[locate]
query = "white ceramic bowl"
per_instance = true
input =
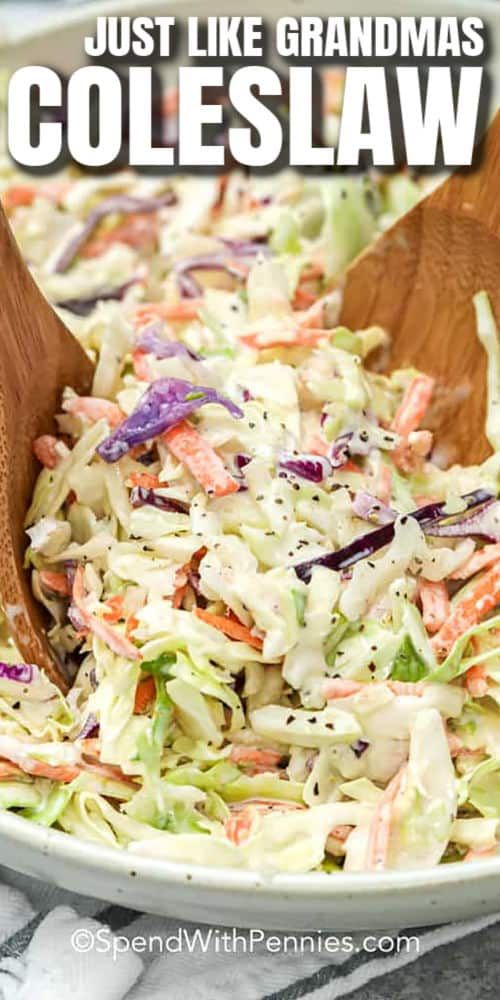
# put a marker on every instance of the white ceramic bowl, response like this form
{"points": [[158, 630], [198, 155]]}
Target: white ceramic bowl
{"points": [[245, 899]]}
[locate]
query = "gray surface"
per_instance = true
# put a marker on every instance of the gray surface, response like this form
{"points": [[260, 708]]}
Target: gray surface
{"points": [[465, 970]]}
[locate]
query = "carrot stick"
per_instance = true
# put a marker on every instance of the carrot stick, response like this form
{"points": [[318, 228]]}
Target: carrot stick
{"points": [[380, 826], [139, 231], [233, 629], [144, 479], [469, 611], [413, 406], [114, 609], [145, 694], [190, 448], [58, 583], [259, 760], [39, 769], [435, 604], [94, 408], [9, 770], [299, 337], [178, 312], [476, 681], [482, 559], [24, 194], [116, 642], [44, 449]]}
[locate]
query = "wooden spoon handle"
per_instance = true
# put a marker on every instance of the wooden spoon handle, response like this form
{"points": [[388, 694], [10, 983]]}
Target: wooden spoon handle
{"points": [[38, 357]]}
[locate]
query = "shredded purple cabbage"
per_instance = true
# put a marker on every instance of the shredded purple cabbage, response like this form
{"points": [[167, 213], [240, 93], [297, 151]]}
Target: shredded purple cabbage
{"points": [[21, 672], [348, 444], [246, 248], [122, 204], [150, 341], [166, 403], [359, 747], [140, 496], [89, 729], [84, 306], [76, 619], [241, 460], [484, 524], [188, 286], [339, 452], [366, 545], [314, 468], [370, 508]]}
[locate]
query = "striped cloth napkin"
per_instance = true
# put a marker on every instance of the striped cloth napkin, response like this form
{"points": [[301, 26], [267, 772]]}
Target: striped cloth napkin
{"points": [[42, 927]]}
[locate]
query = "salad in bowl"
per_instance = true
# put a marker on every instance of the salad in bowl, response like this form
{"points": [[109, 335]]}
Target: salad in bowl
{"points": [[277, 611]]}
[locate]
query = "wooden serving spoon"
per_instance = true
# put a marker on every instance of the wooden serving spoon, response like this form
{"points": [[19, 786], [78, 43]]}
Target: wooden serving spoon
{"points": [[417, 281], [38, 358]]}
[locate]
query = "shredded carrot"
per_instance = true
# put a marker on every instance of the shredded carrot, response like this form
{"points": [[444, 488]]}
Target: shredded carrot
{"points": [[130, 625], [380, 826], [299, 337], [342, 687], [476, 854], [383, 485], [8, 769], [110, 771], [55, 772], [142, 367], [178, 312], [482, 559], [116, 642], [179, 595], [238, 827], [303, 297], [17, 195], [190, 448], [476, 681], [145, 480], [243, 816], [44, 448], [114, 609], [435, 604], [139, 231], [235, 630], [259, 760], [20, 195], [475, 606], [413, 406], [58, 583], [94, 408], [145, 695]]}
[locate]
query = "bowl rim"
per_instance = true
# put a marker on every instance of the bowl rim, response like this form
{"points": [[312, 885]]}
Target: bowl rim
{"points": [[95, 857], [92, 856]]}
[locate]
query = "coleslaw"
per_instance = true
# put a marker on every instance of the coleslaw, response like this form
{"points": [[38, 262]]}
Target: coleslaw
{"points": [[279, 616]]}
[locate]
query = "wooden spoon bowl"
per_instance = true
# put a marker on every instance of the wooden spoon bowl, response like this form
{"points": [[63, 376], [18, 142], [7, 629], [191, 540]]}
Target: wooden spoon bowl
{"points": [[418, 280], [38, 358]]}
